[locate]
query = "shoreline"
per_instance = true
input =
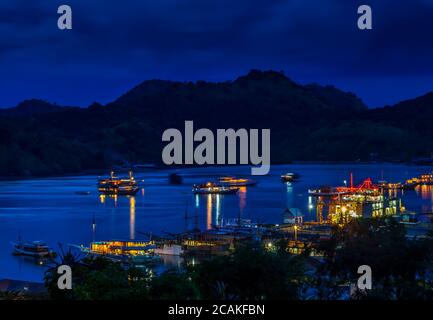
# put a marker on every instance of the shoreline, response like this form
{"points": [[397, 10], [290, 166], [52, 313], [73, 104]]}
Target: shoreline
{"points": [[158, 167]]}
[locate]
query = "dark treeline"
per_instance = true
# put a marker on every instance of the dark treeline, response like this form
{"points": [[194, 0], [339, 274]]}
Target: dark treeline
{"points": [[307, 122], [401, 269]]}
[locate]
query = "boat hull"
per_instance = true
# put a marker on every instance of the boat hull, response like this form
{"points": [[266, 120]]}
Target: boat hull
{"points": [[228, 191], [18, 251], [119, 192]]}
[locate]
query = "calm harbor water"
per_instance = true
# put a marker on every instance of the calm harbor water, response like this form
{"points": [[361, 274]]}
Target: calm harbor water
{"points": [[50, 210]]}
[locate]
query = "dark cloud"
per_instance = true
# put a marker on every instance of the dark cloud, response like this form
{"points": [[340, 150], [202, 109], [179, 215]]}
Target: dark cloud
{"points": [[117, 44]]}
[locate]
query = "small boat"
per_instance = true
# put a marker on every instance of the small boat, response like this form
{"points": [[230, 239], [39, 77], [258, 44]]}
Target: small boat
{"points": [[236, 182], [36, 249], [409, 218], [290, 177], [410, 185], [213, 188]]}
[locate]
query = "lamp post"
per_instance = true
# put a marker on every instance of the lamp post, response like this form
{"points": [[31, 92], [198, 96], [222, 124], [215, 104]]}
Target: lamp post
{"points": [[296, 232]]}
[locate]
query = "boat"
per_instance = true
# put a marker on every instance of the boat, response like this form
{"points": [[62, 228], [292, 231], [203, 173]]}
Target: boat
{"points": [[36, 249], [118, 186], [384, 185], [120, 190], [327, 191], [170, 249], [121, 250], [236, 182], [409, 218], [411, 184], [213, 188], [290, 177], [426, 179]]}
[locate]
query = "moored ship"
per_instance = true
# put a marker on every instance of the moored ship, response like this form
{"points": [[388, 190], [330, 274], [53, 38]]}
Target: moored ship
{"points": [[236, 182], [36, 249], [290, 177], [326, 191], [384, 185], [118, 186], [121, 250]]}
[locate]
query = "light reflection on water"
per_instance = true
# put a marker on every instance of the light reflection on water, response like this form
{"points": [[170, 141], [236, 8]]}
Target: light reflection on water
{"points": [[426, 194], [50, 209]]}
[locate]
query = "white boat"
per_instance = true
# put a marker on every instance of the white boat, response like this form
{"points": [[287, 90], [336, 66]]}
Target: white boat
{"points": [[37, 249], [169, 250]]}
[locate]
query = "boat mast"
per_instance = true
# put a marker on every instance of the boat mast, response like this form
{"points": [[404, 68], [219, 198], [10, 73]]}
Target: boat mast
{"points": [[93, 227]]}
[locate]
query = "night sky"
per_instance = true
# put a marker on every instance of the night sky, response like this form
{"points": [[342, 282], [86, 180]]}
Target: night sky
{"points": [[114, 45]]}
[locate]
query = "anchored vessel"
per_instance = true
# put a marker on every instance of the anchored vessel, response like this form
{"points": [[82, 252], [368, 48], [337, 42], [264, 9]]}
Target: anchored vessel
{"points": [[213, 188], [37, 249], [118, 186], [121, 250], [384, 185], [236, 182], [365, 200], [290, 177]]}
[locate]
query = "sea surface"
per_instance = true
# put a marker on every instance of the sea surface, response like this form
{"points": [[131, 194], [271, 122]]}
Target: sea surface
{"points": [[51, 210]]}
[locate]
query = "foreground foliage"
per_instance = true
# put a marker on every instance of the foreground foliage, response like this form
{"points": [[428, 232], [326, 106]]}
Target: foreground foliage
{"points": [[402, 269]]}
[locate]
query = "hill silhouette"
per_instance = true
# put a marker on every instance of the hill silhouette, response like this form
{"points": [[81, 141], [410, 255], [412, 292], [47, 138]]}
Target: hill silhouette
{"points": [[307, 122]]}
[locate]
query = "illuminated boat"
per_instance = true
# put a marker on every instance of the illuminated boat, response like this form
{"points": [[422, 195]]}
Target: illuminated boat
{"points": [[118, 186], [411, 184], [203, 247], [119, 190], [423, 179], [327, 191], [290, 177], [409, 218], [36, 249], [390, 186], [213, 188], [236, 182], [121, 250], [426, 179]]}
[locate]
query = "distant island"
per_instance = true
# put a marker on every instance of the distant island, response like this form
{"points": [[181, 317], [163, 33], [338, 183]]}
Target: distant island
{"points": [[307, 122]]}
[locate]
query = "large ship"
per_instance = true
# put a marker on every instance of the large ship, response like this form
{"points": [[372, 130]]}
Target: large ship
{"points": [[365, 200], [118, 186], [213, 188], [121, 250]]}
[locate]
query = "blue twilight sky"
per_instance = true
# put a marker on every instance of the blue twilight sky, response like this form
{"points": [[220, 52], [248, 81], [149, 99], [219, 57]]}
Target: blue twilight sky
{"points": [[115, 45]]}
